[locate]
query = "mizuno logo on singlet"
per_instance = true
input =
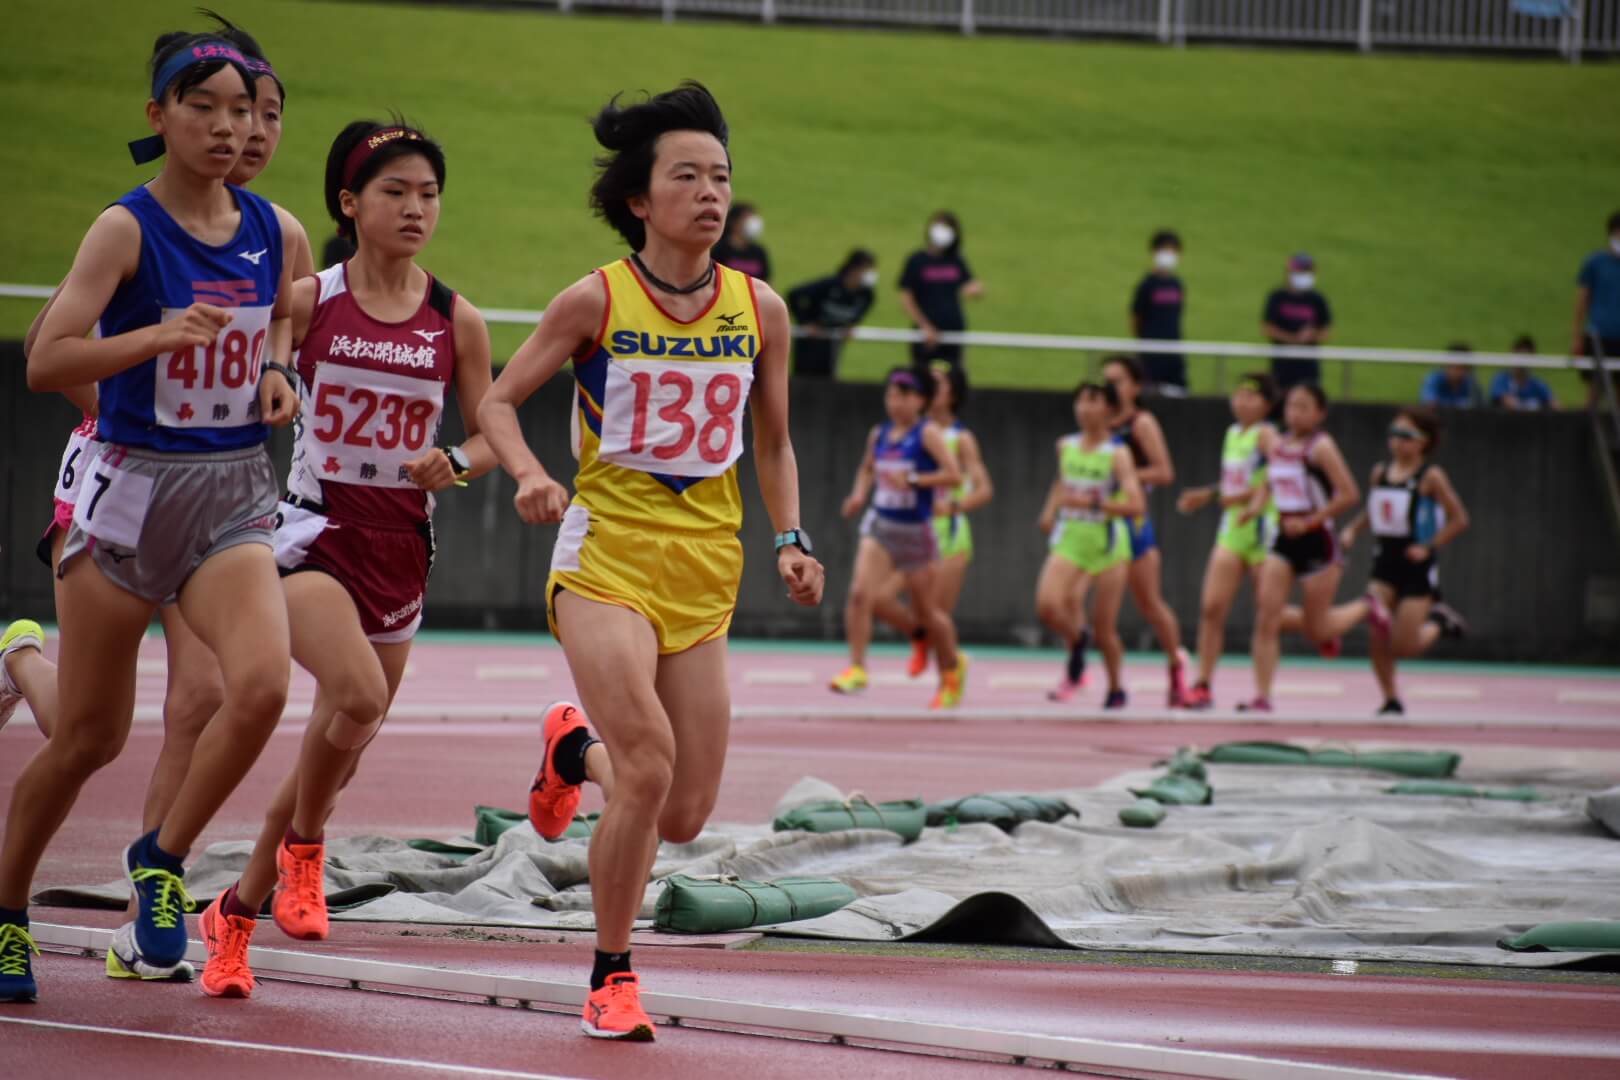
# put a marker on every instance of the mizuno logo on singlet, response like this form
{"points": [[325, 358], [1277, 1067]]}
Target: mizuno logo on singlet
{"points": [[730, 319], [252, 256], [427, 335], [631, 343]]}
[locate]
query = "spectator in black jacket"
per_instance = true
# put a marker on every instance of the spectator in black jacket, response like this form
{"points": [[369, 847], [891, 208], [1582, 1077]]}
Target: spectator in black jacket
{"points": [[739, 247], [932, 287], [827, 309], [1297, 314], [1156, 315]]}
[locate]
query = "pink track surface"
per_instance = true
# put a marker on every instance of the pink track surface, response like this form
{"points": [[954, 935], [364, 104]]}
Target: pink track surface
{"points": [[448, 748]]}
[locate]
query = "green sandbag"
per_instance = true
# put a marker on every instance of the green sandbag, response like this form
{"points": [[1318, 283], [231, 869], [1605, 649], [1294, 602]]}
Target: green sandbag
{"points": [[904, 818], [1175, 790], [1456, 789], [1142, 814], [1187, 763], [1003, 811], [713, 906], [492, 821], [1430, 763], [1566, 937]]}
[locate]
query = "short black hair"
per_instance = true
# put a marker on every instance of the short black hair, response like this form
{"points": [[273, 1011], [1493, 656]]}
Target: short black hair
{"points": [[350, 137], [1316, 392], [1262, 382], [1426, 420], [858, 257], [1524, 343], [920, 375], [1164, 238], [630, 134], [1459, 347], [738, 211], [1131, 364], [247, 43], [956, 379], [1098, 388], [168, 44], [1614, 221], [948, 217]]}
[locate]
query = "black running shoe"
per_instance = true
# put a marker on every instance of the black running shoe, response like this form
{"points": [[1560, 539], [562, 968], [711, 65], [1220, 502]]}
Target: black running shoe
{"points": [[1393, 707], [1449, 620]]}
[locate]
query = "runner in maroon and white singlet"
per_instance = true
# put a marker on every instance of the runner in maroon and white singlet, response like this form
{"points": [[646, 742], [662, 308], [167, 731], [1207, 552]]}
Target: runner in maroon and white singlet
{"points": [[380, 343]]}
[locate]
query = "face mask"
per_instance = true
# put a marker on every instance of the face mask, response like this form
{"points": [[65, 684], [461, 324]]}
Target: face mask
{"points": [[869, 278], [754, 228], [941, 235], [1614, 244], [1166, 259], [1301, 281]]}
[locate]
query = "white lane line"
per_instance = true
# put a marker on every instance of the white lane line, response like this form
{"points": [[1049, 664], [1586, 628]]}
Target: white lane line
{"points": [[1024, 682], [896, 678], [1310, 689], [439, 1067], [1091, 712], [1589, 697], [1066, 1049], [510, 672], [1443, 693], [1153, 684], [777, 677]]}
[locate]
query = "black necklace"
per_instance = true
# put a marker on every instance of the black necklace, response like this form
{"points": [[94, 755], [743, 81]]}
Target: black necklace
{"points": [[678, 290]]}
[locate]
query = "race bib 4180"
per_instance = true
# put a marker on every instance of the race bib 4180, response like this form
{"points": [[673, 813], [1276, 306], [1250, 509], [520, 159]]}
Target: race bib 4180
{"points": [[215, 385]]}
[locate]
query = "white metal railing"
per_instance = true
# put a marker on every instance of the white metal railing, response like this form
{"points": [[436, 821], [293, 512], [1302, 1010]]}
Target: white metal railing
{"points": [[1566, 27], [1083, 344]]}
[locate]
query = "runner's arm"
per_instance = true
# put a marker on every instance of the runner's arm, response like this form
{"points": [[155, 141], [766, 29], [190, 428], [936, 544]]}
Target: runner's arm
{"points": [[1437, 486], [473, 381], [971, 458], [570, 324], [1150, 436], [774, 461], [1130, 485], [1346, 493], [948, 474], [83, 397]]}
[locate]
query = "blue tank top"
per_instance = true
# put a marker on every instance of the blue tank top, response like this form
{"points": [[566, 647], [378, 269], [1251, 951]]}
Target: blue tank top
{"points": [[194, 400], [894, 497]]}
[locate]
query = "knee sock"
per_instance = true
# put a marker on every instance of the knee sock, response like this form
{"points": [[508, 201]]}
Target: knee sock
{"points": [[147, 853], [568, 756], [231, 904], [608, 964], [1077, 657]]}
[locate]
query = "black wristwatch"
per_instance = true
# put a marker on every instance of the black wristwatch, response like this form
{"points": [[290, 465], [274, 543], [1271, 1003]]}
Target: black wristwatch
{"points": [[795, 538], [286, 372], [458, 460]]}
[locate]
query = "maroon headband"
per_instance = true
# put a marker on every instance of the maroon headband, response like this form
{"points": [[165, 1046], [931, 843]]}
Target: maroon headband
{"points": [[370, 145]]}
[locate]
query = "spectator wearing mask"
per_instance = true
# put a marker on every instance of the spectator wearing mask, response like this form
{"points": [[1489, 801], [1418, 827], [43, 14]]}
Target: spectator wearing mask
{"points": [[932, 287], [338, 249], [1516, 388], [827, 310], [1453, 386], [739, 246], [1297, 314], [1156, 315]]}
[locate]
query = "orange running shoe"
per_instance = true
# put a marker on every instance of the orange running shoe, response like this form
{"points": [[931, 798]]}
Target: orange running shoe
{"points": [[553, 803], [299, 906], [227, 973], [614, 1012], [919, 658]]}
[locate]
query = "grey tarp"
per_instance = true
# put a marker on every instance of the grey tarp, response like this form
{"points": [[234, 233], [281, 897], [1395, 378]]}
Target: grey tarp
{"points": [[1286, 862]]}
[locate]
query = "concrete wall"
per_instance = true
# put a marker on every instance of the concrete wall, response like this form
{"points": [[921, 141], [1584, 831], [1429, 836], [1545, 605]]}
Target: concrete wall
{"points": [[1538, 575]]}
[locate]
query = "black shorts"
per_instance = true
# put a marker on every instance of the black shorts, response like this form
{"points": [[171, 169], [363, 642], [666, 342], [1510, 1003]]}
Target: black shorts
{"points": [[1309, 553], [1410, 580]]}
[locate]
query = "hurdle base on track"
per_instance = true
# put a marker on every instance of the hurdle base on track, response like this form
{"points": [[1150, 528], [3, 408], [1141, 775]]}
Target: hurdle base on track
{"points": [[839, 1027]]}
